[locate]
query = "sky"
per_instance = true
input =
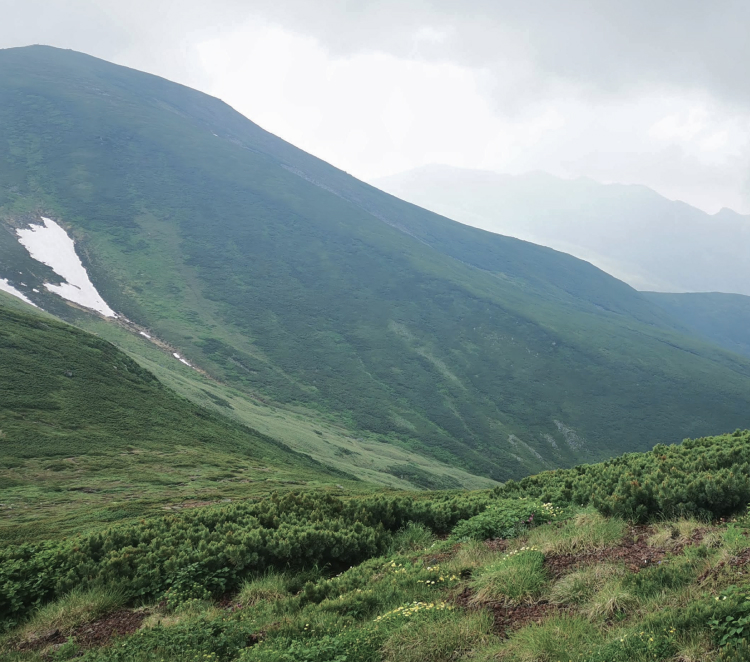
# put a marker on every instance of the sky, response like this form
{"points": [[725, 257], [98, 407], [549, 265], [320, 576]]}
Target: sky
{"points": [[650, 92]]}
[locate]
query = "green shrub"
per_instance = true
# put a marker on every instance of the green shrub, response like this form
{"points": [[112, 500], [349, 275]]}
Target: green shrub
{"points": [[349, 644], [197, 640], [506, 518], [213, 550], [705, 478], [732, 629]]}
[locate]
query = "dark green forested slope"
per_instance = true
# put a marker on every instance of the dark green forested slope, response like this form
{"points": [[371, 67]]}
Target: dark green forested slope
{"points": [[721, 318], [290, 280], [67, 393]]}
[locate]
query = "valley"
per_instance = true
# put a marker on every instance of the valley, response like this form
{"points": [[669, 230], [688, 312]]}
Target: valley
{"points": [[253, 409], [295, 284]]}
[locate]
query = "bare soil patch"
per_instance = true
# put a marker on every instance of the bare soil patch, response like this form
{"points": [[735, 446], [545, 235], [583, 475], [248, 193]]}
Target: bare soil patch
{"points": [[90, 635], [634, 552], [497, 545], [507, 617]]}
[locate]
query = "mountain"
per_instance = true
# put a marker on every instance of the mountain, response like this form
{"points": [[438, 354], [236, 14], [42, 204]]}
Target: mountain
{"points": [[81, 419], [723, 319], [306, 293], [631, 232]]}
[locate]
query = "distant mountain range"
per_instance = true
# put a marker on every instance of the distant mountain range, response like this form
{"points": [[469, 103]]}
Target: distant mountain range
{"points": [[350, 325], [631, 232]]}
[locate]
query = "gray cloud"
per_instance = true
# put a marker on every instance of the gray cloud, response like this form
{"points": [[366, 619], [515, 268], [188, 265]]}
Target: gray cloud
{"points": [[607, 46], [600, 56]]}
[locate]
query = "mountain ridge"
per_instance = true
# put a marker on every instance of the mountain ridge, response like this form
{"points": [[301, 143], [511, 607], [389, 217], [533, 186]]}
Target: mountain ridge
{"points": [[628, 230], [276, 273]]}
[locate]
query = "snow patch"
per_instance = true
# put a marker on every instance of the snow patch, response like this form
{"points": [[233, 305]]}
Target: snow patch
{"points": [[5, 286], [180, 359], [51, 245], [145, 335]]}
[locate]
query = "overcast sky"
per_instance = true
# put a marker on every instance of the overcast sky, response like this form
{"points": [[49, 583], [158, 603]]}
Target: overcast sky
{"points": [[654, 92]]}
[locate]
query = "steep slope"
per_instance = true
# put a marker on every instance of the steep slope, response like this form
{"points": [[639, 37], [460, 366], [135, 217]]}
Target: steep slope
{"points": [[631, 232], [723, 319], [84, 428], [300, 286]]}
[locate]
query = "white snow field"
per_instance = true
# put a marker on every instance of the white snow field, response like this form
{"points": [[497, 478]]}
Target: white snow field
{"points": [[51, 245], [5, 286]]}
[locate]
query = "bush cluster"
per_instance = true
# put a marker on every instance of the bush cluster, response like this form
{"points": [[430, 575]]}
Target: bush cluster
{"points": [[505, 518], [212, 550], [707, 478]]}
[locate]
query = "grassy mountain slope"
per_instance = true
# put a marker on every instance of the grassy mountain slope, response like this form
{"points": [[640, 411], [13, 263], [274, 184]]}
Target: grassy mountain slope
{"points": [[721, 318], [88, 435], [630, 231], [298, 285], [623, 561], [361, 454]]}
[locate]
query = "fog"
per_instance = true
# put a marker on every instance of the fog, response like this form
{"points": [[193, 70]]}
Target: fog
{"points": [[643, 93]]}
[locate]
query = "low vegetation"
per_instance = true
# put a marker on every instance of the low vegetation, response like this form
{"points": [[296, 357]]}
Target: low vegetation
{"points": [[317, 578]]}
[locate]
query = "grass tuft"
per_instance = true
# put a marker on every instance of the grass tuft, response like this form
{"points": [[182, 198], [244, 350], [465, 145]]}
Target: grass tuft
{"points": [[441, 640], [412, 538], [516, 577], [581, 586], [673, 534], [77, 607], [586, 532], [613, 598], [267, 588], [558, 638], [471, 555]]}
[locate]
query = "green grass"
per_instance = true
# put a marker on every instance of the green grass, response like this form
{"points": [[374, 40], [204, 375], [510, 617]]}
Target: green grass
{"points": [[388, 609], [363, 455], [77, 607], [514, 578], [269, 587], [557, 638], [443, 640], [586, 532], [580, 586], [89, 438], [721, 318], [296, 285]]}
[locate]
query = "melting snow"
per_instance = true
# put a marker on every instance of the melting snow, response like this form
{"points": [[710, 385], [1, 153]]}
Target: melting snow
{"points": [[180, 359], [50, 244], [5, 286]]}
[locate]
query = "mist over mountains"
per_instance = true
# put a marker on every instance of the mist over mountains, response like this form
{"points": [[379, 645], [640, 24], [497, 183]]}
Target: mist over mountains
{"points": [[629, 231]]}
